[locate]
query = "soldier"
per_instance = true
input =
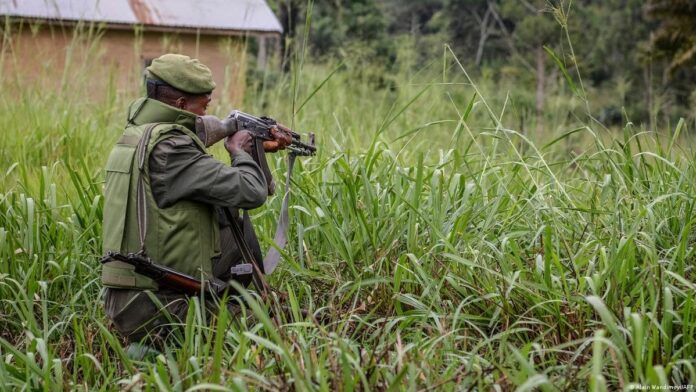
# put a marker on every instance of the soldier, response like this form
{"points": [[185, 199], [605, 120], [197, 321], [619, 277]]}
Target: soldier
{"points": [[161, 195]]}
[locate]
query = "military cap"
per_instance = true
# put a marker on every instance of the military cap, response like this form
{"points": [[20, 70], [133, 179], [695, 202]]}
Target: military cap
{"points": [[182, 72]]}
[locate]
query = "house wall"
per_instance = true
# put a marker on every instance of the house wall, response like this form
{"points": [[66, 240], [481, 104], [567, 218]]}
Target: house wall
{"points": [[91, 60]]}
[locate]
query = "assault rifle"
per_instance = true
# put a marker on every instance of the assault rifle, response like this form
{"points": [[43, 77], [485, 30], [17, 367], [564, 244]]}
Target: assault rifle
{"points": [[167, 277], [180, 282], [210, 130]]}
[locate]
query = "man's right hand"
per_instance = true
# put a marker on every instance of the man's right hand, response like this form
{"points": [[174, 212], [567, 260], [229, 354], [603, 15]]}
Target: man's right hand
{"points": [[239, 141]]}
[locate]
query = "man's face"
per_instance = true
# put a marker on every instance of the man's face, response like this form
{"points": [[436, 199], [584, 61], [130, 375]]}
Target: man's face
{"points": [[196, 104]]}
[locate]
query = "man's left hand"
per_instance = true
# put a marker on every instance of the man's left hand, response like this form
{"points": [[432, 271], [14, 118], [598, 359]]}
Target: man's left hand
{"points": [[281, 139]]}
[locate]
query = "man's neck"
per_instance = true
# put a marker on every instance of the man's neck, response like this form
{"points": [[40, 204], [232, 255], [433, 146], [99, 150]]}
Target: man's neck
{"points": [[147, 110]]}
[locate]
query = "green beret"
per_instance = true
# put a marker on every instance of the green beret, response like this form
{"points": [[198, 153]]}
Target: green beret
{"points": [[183, 73]]}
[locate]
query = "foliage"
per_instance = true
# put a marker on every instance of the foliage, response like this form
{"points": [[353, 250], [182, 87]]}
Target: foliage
{"points": [[438, 245], [639, 75], [674, 40], [677, 30]]}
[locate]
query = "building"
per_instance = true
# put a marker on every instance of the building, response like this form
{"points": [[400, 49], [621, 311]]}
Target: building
{"points": [[63, 39]]}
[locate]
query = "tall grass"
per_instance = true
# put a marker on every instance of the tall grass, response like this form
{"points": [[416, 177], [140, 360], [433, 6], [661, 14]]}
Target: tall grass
{"points": [[437, 244]]}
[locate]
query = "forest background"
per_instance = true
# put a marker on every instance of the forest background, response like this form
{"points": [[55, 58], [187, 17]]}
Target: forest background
{"points": [[636, 57]]}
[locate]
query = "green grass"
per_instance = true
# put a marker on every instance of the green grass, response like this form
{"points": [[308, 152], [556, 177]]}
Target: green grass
{"points": [[447, 245]]}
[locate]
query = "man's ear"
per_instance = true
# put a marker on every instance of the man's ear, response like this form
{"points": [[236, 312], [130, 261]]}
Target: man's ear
{"points": [[181, 103]]}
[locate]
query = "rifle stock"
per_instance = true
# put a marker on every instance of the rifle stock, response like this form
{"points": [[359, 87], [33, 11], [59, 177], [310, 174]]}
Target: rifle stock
{"points": [[166, 277], [176, 281]]}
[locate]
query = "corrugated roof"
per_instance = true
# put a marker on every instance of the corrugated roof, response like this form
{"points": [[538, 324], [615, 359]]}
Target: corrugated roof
{"points": [[225, 15]]}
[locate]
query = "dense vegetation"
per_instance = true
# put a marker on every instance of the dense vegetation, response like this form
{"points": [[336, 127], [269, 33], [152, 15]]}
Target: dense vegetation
{"points": [[442, 239], [639, 55]]}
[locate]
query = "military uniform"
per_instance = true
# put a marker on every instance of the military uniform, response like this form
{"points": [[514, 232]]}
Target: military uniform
{"points": [[182, 189]]}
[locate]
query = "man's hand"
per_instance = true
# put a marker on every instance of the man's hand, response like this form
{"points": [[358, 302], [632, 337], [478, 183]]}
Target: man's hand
{"points": [[282, 139], [240, 141]]}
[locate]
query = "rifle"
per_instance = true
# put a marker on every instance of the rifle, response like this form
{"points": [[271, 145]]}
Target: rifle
{"points": [[210, 130], [180, 282], [167, 277]]}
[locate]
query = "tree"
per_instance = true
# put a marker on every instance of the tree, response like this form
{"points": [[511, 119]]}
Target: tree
{"points": [[676, 32], [339, 26], [611, 60], [674, 39], [533, 27], [471, 26]]}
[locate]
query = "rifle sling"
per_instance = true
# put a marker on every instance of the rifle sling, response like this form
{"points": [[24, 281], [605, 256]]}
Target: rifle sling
{"points": [[281, 235], [248, 256], [259, 156]]}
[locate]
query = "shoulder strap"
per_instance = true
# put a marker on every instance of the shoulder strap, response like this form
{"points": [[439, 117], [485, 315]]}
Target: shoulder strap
{"points": [[141, 202], [259, 156]]}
